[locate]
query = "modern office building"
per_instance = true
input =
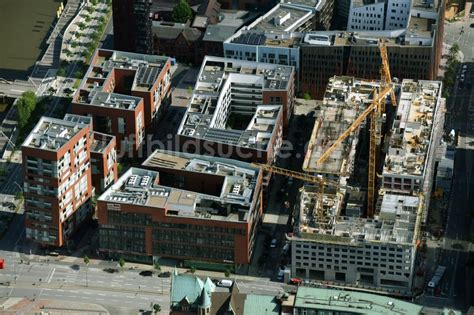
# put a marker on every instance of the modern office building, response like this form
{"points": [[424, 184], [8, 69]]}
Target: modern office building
{"points": [[414, 51], [378, 15], [238, 109], [274, 37], [412, 54], [183, 206], [132, 25], [376, 253], [57, 180], [125, 94]]}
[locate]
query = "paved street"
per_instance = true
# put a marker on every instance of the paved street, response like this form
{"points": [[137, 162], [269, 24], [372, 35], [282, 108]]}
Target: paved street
{"points": [[119, 293], [460, 116], [465, 40]]}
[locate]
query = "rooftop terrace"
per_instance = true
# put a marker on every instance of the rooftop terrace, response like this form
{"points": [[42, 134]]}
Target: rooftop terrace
{"points": [[52, 133]]}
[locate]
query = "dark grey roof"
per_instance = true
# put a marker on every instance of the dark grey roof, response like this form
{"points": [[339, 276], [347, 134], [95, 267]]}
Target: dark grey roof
{"points": [[251, 38], [219, 33]]}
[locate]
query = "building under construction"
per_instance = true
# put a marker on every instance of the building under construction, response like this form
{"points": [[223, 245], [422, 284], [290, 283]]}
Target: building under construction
{"points": [[345, 99], [334, 239]]}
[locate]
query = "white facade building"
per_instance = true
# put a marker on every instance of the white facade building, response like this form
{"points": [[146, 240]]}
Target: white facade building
{"points": [[366, 16], [378, 15], [398, 14]]}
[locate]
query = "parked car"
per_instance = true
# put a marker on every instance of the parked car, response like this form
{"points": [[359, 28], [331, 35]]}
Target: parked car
{"points": [[225, 283], [296, 281], [111, 270], [146, 273], [165, 274]]}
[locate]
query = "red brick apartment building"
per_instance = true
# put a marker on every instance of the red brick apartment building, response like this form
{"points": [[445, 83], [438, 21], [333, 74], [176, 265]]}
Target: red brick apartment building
{"points": [[182, 206], [57, 180], [103, 155], [125, 93]]}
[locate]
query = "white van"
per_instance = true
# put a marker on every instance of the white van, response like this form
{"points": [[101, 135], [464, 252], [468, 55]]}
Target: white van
{"points": [[225, 283]]}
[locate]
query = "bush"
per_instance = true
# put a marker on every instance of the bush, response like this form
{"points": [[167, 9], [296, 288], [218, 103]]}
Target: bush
{"points": [[307, 96], [227, 273], [192, 269], [61, 72]]}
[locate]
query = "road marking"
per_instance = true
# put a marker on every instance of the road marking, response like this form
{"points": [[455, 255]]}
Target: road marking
{"points": [[51, 276], [101, 294]]}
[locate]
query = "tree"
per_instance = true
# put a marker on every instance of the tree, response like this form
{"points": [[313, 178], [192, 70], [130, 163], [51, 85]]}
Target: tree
{"points": [[78, 74], [86, 262], [121, 263], [307, 96], [454, 49], [157, 266], [182, 12], [192, 269], [25, 107], [156, 308], [227, 273]]}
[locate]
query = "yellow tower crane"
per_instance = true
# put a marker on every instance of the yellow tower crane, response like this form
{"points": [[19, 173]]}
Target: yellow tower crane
{"points": [[318, 180], [376, 109]]}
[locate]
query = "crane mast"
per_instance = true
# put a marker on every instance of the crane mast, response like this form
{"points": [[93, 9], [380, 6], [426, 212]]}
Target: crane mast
{"points": [[375, 110]]}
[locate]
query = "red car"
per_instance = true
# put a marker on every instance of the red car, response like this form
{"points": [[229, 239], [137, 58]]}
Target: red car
{"points": [[296, 281]]}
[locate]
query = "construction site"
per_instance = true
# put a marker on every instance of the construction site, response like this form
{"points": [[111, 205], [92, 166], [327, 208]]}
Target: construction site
{"points": [[373, 151]]}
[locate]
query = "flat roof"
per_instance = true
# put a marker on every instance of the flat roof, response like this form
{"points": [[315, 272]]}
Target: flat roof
{"points": [[283, 17], [344, 100], [412, 130], [100, 141], [145, 70], [352, 302], [307, 3], [218, 33], [52, 133], [142, 187], [246, 82]]}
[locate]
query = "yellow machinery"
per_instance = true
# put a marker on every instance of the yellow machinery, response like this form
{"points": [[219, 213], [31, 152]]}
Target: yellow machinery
{"points": [[376, 109], [318, 180]]}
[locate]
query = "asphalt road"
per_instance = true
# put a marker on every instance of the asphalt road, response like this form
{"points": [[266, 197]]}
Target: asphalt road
{"points": [[457, 233], [452, 34], [122, 292]]}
